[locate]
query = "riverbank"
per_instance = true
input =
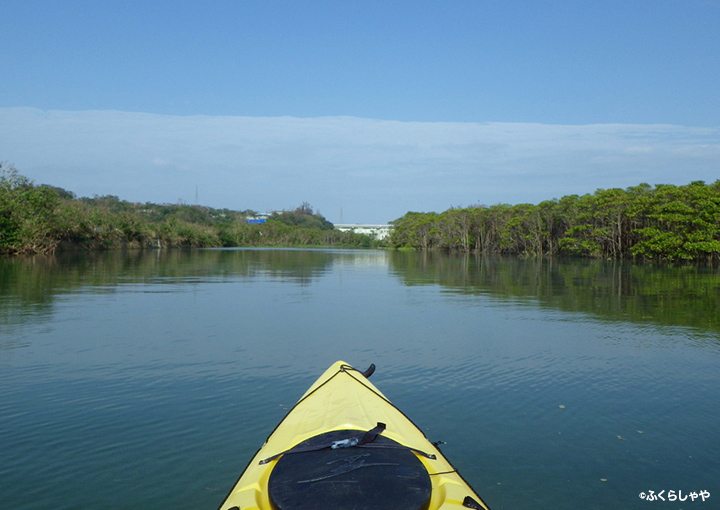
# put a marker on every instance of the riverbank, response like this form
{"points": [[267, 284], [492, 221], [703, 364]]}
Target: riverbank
{"points": [[46, 219], [662, 222]]}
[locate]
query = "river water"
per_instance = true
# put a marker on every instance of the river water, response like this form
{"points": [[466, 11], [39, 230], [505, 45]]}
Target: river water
{"points": [[147, 380]]}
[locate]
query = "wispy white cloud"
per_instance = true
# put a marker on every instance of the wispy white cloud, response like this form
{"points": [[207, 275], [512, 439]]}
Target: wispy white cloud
{"points": [[372, 170]]}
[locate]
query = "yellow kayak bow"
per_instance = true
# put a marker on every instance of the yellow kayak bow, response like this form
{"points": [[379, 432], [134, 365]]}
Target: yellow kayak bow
{"points": [[344, 445]]}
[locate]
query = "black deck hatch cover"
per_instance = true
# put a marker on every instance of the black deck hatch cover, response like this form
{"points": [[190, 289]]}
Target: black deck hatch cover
{"points": [[381, 475]]}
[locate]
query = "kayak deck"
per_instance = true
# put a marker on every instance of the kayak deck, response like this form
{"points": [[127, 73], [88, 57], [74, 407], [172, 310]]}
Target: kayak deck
{"points": [[344, 443]]}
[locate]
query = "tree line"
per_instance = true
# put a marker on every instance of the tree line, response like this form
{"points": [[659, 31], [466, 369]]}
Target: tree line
{"points": [[644, 222], [44, 218]]}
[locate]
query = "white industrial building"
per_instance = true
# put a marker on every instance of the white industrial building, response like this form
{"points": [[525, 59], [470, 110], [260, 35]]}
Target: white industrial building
{"points": [[379, 231]]}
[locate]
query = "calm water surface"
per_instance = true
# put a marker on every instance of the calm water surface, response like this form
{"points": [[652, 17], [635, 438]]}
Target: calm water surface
{"points": [[148, 380]]}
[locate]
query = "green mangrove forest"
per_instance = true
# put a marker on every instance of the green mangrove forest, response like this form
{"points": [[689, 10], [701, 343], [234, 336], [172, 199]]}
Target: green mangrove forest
{"points": [[662, 222], [644, 222], [45, 219]]}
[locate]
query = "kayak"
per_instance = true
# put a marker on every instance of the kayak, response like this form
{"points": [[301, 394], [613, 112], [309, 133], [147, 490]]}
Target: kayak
{"points": [[345, 446]]}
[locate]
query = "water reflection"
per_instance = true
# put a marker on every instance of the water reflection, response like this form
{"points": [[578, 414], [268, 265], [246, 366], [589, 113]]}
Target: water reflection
{"points": [[611, 290], [30, 287]]}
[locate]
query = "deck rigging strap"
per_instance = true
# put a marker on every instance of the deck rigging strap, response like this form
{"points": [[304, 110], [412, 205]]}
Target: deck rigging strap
{"points": [[355, 441]]}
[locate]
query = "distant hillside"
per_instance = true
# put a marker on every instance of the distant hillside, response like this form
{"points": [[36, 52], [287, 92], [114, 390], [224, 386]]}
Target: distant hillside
{"points": [[303, 216]]}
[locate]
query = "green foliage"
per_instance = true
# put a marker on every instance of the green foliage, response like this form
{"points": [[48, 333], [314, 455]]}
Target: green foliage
{"points": [[28, 215], [303, 216], [45, 218], [665, 222], [277, 233]]}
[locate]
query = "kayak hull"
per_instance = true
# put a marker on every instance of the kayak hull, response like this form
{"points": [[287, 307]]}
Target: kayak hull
{"points": [[343, 399]]}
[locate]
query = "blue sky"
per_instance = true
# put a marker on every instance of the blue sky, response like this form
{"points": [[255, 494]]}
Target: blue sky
{"points": [[369, 108]]}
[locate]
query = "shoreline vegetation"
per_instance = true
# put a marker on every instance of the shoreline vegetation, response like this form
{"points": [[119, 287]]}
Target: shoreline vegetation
{"points": [[651, 223], [662, 223], [46, 219]]}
